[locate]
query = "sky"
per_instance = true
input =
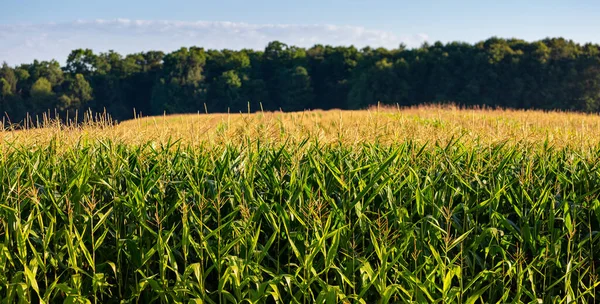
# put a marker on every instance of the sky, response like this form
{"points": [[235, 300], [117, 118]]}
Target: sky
{"points": [[44, 30]]}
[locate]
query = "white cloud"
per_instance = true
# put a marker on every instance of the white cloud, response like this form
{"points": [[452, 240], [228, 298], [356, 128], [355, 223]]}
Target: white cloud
{"points": [[22, 43]]}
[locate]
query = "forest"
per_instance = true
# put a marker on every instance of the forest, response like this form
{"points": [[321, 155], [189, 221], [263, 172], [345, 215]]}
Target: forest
{"points": [[554, 73]]}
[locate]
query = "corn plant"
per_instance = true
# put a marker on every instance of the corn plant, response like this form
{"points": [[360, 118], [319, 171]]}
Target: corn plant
{"points": [[106, 222]]}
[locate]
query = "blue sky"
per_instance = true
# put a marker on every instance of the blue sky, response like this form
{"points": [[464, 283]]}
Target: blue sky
{"points": [[50, 29]]}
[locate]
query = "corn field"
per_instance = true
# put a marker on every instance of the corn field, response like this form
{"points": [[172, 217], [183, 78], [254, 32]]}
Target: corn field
{"points": [[104, 221]]}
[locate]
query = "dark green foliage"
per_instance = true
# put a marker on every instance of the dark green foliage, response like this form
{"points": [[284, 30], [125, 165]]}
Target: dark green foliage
{"points": [[41, 95], [77, 94], [548, 74], [401, 224]]}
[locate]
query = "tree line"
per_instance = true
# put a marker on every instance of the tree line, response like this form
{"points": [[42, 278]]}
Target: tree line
{"points": [[553, 73]]}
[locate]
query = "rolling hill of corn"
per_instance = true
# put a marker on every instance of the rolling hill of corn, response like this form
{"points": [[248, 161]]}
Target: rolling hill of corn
{"points": [[422, 205]]}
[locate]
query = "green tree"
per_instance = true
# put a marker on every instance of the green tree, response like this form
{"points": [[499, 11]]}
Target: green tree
{"points": [[296, 89], [8, 74], [5, 88], [381, 83], [48, 69], [280, 70], [81, 61], [180, 87], [78, 94], [228, 90], [41, 88], [331, 69], [42, 97], [11, 105]]}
